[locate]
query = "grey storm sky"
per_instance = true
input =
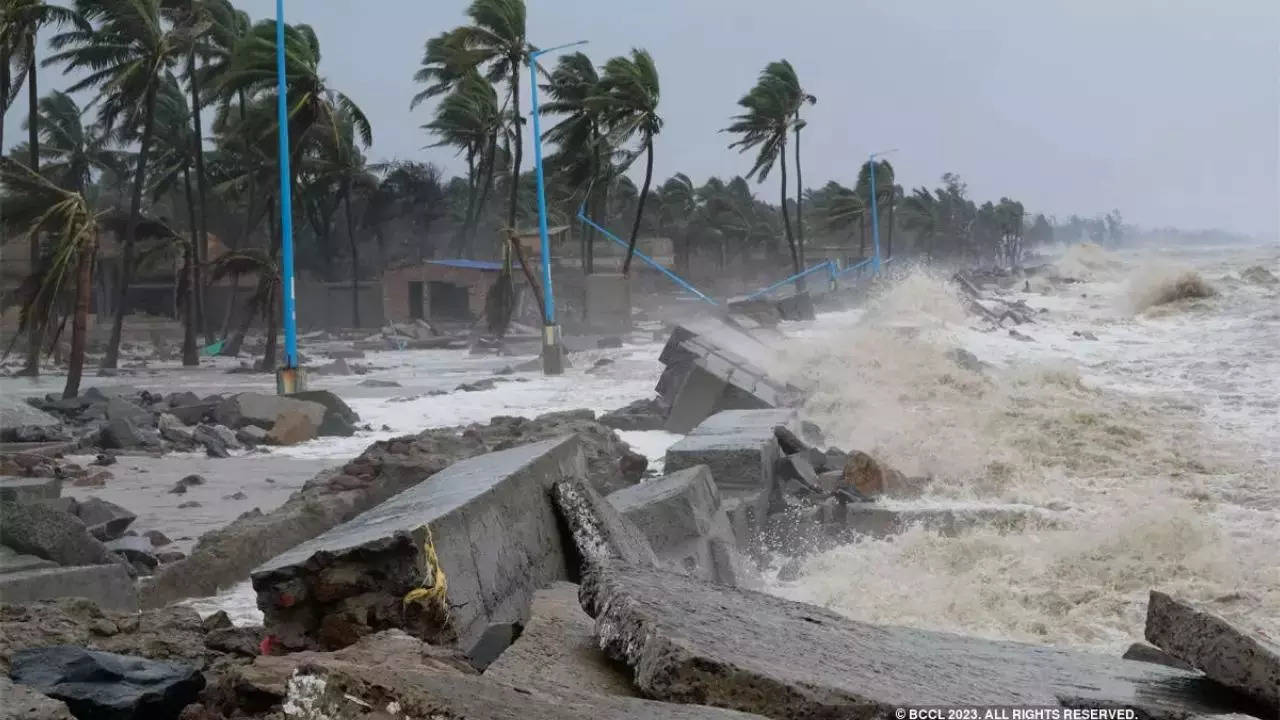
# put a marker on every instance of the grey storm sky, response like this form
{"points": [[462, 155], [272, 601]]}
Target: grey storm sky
{"points": [[1168, 110]]}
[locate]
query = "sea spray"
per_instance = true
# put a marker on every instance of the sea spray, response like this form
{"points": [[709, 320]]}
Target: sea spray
{"points": [[1164, 284]]}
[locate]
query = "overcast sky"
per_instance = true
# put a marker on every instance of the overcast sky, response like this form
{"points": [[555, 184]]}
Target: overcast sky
{"points": [[1166, 109]]}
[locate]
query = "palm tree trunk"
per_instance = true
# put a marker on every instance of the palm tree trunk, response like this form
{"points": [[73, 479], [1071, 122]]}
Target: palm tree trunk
{"points": [[483, 200], [190, 316], [32, 368], [799, 198], [112, 358], [202, 257], [644, 193], [517, 152], [80, 321], [273, 314], [462, 237], [355, 259], [786, 216], [862, 235], [889, 239]]}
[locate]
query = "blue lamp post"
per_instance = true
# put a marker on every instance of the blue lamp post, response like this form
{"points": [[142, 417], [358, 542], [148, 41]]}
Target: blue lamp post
{"points": [[875, 211], [289, 378], [552, 351]]}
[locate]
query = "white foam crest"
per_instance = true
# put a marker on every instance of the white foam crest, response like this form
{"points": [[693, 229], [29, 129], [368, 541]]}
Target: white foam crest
{"points": [[1086, 261], [1162, 283]]}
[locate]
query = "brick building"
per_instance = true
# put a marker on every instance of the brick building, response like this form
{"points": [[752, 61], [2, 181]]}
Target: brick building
{"points": [[438, 290]]}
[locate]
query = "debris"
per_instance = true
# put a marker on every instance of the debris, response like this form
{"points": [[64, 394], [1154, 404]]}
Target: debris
{"points": [[108, 586], [372, 382], [1142, 652], [105, 520], [107, 685], [23, 490], [23, 703], [645, 414], [134, 549], [51, 534], [262, 410]]}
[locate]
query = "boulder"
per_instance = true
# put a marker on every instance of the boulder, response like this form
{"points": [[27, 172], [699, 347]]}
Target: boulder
{"points": [[872, 478], [105, 520], [228, 436], [739, 447], [23, 490], [118, 407], [692, 641], [121, 433], [183, 398], [644, 414], [214, 444], [558, 648], [174, 430], [12, 561], [1223, 651], [1142, 652], [48, 533], [194, 413], [22, 703], [108, 586], [260, 409], [104, 394], [251, 435], [135, 549], [15, 413], [106, 685], [339, 418], [291, 428], [442, 560], [157, 538]]}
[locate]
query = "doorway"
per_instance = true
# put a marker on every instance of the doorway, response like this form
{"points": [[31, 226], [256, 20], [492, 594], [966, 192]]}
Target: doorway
{"points": [[415, 300], [450, 302]]}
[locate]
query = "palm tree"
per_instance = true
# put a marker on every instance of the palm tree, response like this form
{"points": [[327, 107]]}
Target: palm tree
{"points": [[769, 113], [783, 73], [886, 193], [840, 207], [468, 119], [70, 152], [175, 155], [20, 25], [127, 54], [922, 214], [582, 156], [264, 299], [678, 213], [627, 97]]}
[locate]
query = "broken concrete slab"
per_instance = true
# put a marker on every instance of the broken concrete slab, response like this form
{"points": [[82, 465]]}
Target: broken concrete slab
{"points": [[135, 549], [22, 703], [713, 364], [600, 533], [558, 648], [1228, 654], [108, 586], [16, 412], [738, 446], [23, 490], [442, 560], [692, 641], [672, 510], [1142, 652], [12, 561], [260, 409]]}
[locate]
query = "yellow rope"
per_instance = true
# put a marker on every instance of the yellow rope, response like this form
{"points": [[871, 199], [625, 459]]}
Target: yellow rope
{"points": [[435, 586]]}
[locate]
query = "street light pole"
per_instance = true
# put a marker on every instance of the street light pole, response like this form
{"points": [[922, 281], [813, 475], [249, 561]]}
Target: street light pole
{"points": [[552, 350], [289, 378], [875, 210]]}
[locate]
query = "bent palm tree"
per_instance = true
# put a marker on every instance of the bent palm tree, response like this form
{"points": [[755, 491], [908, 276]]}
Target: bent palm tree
{"points": [[468, 119], [581, 160], [627, 97], [127, 54]]}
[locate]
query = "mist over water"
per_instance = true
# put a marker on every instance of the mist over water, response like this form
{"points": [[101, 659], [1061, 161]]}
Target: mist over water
{"points": [[1152, 449]]}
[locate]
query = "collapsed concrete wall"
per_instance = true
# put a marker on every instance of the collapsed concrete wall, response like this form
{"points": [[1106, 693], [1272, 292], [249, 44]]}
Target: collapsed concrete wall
{"points": [[441, 560]]}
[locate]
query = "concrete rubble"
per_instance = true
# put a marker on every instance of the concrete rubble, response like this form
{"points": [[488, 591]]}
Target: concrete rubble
{"points": [[107, 685], [441, 560], [691, 641], [1225, 652]]}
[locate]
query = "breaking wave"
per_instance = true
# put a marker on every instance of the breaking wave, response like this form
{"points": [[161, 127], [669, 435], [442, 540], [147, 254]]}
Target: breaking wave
{"points": [[1162, 285], [1140, 492], [1085, 261]]}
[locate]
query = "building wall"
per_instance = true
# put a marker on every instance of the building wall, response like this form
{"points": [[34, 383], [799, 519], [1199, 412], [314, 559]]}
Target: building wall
{"points": [[395, 288]]}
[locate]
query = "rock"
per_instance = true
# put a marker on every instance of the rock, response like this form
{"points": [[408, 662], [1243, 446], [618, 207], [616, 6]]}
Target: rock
{"points": [[645, 414], [95, 479], [680, 515], [373, 382], [1142, 652], [243, 641], [600, 533], [966, 360], [104, 460], [291, 428], [1084, 335], [135, 550], [1019, 336], [23, 490], [122, 433], [157, 538], [251, 435], [477, 386], [15, 413], [225, 556], [106, 685], [220, 620], [171, 556], [12, 561], [692, 641], [108, 586], [558, 649], [105, 520], [214, 444], [237, 495], [180, 487], [119, 408], [228, 436], [450, 557], [741, 455], [194, 413], [872, 479], [1232, 656], [339, 419], [22, 703], [713, 364], [174, 430], [798, 479], [262, 410], [788, 441], [180, 399], [188, 505], [45, 532], [337, 367]]}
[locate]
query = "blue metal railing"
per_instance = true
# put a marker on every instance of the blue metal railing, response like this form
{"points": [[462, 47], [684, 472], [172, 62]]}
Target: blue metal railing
{"points": [[826, 265], [649, 261]]}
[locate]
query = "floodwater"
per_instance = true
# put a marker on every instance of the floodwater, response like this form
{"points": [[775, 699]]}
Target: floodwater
{"points": [[1156, 446]]}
